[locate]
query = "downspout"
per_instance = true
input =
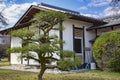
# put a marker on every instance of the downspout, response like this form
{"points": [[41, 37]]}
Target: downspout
{"points": [[96, 32], [28, 62], [61, 38], [112, 28], [83, 44], [73, 38], [10, 47]]}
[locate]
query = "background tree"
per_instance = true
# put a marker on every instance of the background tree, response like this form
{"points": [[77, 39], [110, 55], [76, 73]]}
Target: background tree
{"points": [[38, 39], [106, 51], [115, 2], [2, 19], [3, 22]]}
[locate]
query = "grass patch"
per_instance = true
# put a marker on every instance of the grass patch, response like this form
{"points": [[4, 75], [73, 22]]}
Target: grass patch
{"points": [[4, 62], [17, 75], [90, 75]]}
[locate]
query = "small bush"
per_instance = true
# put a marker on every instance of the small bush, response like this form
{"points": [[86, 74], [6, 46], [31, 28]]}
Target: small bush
{"points": [[68, 61], [67, 64], [68, 53], [106, 50]]}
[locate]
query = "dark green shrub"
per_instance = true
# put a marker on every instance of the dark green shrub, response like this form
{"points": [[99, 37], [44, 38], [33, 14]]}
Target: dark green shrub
{"points": [[68, 60], [68, 63], [114, 63], [106, 50], [65, 64], [68, 53]]}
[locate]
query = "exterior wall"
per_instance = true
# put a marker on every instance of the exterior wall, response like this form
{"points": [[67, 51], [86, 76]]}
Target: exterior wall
{"points": [[4, 39], [15, 57], [103, 30], [26, 61], [89, 35], [68, 35], [55, 32], [32, 62], [4, 42], [16, 42], [116, 28], [1, 40]]}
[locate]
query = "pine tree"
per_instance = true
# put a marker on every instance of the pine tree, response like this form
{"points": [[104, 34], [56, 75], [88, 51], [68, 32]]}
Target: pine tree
{"points": [[37, 39]]}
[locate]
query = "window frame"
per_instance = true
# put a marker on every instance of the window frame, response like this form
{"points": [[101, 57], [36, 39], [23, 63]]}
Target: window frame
{"points": [[77, 38]]}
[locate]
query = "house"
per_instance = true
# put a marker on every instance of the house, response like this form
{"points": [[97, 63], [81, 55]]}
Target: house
{"points": [[4, 40], [4, 43], [79, 34]]}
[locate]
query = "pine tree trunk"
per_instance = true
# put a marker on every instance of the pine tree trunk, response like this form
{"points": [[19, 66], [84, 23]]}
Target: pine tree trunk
{"points": [[43, 68]]}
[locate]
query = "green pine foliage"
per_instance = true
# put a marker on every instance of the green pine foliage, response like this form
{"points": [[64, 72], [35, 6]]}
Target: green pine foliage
{"points": [[68, 53], [68, 61], [106, 50]]}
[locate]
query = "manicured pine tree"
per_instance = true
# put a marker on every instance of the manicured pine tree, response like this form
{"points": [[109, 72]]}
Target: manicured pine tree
{"points": [[37, 39]]}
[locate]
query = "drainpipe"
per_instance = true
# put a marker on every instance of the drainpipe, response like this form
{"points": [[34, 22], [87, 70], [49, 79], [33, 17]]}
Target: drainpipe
{"points": [[61, 37], [83, 44]]}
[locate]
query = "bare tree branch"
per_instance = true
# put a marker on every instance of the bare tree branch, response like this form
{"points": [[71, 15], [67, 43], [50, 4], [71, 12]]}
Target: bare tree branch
{"points": [[115, 3]]}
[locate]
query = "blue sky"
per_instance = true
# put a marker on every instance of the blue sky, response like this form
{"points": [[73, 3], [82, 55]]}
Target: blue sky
{"points": [[83, 6], [14, 9]]}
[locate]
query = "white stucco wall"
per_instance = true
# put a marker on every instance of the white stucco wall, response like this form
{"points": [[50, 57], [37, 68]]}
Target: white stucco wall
{"points": [[68, 33], [55, 32], [16, 42], [31, 61], [15, 57], [67, 37], [89, 35]]}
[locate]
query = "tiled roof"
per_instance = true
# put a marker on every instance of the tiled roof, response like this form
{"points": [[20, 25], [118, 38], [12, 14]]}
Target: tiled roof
{"points": [[25, 20], [112, 23]]}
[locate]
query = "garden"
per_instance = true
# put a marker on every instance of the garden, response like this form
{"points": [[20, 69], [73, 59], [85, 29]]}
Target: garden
{"points": [[89, 75]]}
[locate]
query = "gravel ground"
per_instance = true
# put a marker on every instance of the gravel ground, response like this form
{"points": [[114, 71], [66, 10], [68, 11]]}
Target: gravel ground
{"points": [[34, 69], [28, 68]]}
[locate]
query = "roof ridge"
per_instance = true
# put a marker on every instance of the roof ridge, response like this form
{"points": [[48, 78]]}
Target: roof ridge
{"points": [[58, 8]]}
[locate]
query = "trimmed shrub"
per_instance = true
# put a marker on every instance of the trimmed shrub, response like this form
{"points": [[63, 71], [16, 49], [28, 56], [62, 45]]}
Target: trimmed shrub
{"points": [[68, 53], [67, 63], [114, 63], [106, 50]]}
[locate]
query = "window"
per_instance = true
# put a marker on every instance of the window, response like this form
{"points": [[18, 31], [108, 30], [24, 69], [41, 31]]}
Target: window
{"points": [[3, 41], [78, 39], [78, 32], [78, 45]]}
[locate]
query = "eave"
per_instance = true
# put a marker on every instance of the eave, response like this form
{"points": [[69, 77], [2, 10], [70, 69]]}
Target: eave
{"points": [[26, 19], [110, 24]]}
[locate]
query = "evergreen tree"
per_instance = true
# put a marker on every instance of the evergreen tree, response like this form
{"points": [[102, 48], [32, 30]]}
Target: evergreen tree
{"points": [[37, 39]]}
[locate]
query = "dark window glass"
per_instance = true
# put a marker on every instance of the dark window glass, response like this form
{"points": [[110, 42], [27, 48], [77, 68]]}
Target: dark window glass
{"points": [[78, 45]]}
